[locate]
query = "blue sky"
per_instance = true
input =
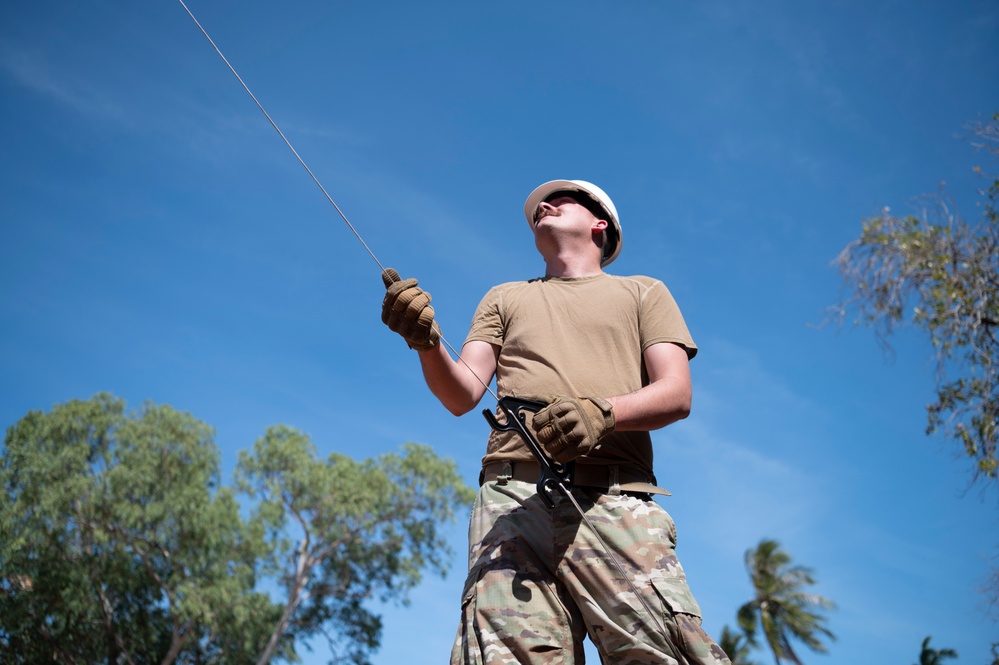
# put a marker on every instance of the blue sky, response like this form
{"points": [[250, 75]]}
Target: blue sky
{"points": [[159, 241]]}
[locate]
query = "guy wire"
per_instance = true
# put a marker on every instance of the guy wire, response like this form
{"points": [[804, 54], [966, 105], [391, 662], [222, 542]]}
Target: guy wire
{"points": [[316, 180], [280, 133]]}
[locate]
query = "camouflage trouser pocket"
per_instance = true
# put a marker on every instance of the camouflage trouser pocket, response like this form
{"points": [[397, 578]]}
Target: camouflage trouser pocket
{"points": [[676, 596], [692, 646], [466, 649]]}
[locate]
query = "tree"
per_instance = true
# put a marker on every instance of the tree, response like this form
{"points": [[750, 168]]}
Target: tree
{"points": [[940, 273], [735, 646], [779, 606], [119, 545], [343, 532], [929, 656]]}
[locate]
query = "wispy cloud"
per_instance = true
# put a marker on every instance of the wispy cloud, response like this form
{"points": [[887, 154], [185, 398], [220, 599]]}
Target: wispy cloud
{"points": [[138, 102], [29, 70], [735, 451]]}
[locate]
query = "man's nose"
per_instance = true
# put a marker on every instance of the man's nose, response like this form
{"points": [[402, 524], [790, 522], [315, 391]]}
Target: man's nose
{"points": [[543, 206]]}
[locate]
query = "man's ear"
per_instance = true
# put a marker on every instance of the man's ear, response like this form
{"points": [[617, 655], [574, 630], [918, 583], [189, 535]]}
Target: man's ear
{"points": [[599, 225]]}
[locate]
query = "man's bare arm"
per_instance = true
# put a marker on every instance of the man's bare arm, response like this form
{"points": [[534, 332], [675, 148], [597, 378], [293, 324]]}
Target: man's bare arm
{"points": [[664, 400], [459, 384]]}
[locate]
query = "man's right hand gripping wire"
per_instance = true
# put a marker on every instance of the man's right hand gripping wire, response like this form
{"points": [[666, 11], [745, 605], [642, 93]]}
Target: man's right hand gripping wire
{"points": [[406, 310]]}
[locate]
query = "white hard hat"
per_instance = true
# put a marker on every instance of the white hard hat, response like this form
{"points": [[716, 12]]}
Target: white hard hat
{"points": [[612, 246]]}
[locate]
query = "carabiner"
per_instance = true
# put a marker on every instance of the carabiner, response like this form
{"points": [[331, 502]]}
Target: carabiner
{"points": [[553, 473]]}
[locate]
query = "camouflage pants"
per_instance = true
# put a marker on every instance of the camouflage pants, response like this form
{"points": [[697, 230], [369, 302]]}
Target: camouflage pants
{"points": [[539, 582]]}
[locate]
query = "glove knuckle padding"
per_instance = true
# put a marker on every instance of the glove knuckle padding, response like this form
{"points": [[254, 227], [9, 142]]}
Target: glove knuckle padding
{"points": [[424, 323], [393, 291], [569, 427], [391, 303], [415, 325], [412, 307], [406, 310], [409, 299]]}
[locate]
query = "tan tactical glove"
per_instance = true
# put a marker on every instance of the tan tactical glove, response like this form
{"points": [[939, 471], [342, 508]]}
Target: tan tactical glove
{"points": [[571, 426], [406, 310]]}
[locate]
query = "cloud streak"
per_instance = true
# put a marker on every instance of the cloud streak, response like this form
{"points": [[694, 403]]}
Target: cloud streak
{"points": [[28, 70]]}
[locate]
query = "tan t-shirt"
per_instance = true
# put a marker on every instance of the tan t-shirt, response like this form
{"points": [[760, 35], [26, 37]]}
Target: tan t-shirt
{"points": [[580, 336]]}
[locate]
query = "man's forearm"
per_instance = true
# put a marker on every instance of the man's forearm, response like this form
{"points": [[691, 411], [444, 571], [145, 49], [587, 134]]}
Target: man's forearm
{"points": [[664, 400], [454, 383], [654, 406]]}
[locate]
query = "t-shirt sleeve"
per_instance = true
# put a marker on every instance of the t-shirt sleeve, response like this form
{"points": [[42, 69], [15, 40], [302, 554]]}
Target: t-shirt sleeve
{"points": [[661, 320], [487, 322]]}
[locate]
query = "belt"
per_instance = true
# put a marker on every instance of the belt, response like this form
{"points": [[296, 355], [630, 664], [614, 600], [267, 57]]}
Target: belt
{"points": [[611, 477]]}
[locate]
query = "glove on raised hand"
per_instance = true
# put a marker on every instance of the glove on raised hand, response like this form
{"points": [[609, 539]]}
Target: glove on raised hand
{"points": [[406, 310], [571, 426]]}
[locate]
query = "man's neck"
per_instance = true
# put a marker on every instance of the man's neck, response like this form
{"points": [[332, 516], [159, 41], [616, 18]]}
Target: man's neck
{"points": [[571, 265]]}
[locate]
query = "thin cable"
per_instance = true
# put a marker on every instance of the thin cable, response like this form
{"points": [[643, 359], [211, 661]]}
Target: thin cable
{"points": [[281, 134], [313, 175]]}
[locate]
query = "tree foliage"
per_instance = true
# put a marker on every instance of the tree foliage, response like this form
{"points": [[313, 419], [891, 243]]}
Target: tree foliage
{"points": [[940, 272], [119, 544], [736, 647], [931, 656], [780, 607], [342, 532]]}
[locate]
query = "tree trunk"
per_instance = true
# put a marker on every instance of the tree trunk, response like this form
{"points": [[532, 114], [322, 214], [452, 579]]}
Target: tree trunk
{"points": [[294, 599]]}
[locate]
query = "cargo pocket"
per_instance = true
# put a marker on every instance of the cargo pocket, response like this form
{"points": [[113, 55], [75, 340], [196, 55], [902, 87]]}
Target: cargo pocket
{"points": [[467, 650], [676, 595], [684, 624]]}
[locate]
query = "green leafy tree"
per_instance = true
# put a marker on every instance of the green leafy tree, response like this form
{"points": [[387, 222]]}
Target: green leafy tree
{"points": [[343, 533], [781, 607], [940, 273], [118, 545], [736, 646], [931, 656]]}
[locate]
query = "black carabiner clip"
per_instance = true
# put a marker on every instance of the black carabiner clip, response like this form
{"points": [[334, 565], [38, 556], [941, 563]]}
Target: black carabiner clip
{"points": [[553, 473]]}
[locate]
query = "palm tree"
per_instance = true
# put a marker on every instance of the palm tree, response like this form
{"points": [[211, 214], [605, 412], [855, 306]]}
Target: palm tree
{"points": [[735, 647], [780, 606], [930, 656]]}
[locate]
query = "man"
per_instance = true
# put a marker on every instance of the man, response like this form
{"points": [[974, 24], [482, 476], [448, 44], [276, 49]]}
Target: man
{"points": [[609, 357]]}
